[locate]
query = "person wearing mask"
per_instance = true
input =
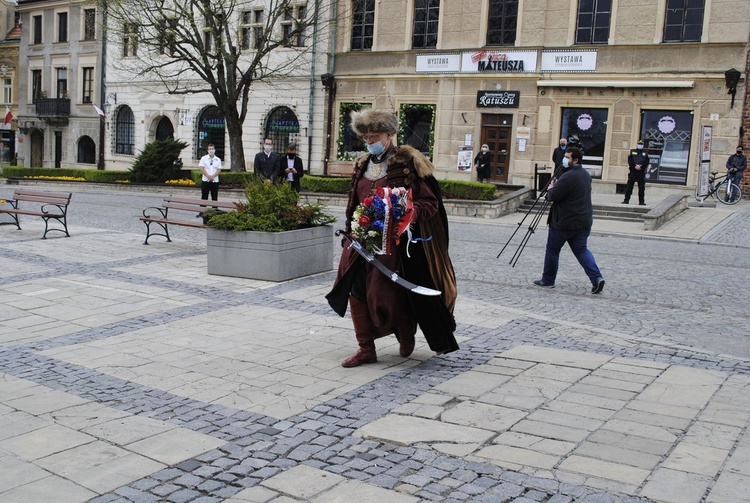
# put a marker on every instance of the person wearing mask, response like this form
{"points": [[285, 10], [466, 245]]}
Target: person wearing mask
{"points": [[736, 165], [570, 219], [379, 306], [483, 162], [638, 163], [266, 163], [210, 166], [558, 154], [290, 167]]}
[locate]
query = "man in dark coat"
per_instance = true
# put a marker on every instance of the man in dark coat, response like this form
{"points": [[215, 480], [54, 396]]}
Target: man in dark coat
{"points": [[558, 154], [290, 167], [736, 165], [266, 163], [638, 163], [570, 219]]}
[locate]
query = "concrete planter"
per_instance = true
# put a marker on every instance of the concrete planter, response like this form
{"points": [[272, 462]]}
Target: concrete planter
{"points": [[270, 256]]}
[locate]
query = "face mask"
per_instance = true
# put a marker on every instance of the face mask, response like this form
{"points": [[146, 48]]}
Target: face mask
{"points": [[267, 148], [739, 152], [211, 152], [376, 148], [563, 146], [566, 162], [640, 147], [290, 156], [485, 149]]}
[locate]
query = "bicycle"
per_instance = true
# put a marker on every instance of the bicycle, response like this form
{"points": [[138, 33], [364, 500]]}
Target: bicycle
{"points": [[725, 191]]}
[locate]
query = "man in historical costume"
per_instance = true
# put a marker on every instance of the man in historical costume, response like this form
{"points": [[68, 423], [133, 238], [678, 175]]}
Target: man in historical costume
{"points": [[378, 305]]}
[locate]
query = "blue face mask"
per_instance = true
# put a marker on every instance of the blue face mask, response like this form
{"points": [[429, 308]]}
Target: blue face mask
{"points": [[376, 148], [563, 147], [565, 162]]}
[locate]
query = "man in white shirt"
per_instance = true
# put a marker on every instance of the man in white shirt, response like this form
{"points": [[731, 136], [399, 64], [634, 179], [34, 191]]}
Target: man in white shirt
{"points": [[210, 168]]}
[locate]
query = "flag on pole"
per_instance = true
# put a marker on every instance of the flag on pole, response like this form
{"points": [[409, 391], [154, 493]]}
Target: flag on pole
{"points": [[8, 115], [99, 111]]}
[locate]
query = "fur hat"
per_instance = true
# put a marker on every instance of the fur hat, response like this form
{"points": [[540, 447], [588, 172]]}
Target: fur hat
{"points": [[374, 121]]}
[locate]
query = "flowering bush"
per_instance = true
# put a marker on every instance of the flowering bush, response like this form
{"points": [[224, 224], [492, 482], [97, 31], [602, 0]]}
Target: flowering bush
{"points": [[380, 219], [181, 181]]}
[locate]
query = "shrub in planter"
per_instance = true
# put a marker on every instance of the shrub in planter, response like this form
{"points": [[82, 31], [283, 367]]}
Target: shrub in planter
{"points": [[271, 207]]}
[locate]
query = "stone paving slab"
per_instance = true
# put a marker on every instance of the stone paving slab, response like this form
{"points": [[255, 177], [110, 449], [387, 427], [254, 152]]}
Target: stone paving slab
{"points": [[134, 376]]}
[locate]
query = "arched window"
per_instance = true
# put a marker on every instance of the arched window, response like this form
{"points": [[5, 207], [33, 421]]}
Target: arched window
{"points": [[211, 126], [86, 150], [282, 127], [164, 129], [125, 131]]}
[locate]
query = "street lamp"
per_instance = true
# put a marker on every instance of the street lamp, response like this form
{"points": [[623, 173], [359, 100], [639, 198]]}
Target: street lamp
{"points": [[732, 78]]}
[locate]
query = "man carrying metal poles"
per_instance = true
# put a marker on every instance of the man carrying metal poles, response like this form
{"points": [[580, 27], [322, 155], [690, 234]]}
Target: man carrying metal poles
{"points": [[534, 222], [570, 219]]}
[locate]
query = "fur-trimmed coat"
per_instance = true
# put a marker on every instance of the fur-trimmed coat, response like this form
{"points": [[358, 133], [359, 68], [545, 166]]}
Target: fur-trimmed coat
{"points": [[427, 262]]}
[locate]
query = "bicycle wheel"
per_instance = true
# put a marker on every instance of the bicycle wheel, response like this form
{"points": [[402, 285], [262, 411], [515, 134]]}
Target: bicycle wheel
{"points": [[725, 192]]}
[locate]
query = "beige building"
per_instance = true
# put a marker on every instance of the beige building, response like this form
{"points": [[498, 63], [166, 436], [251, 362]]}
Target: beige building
{"points": [[520, 74]]}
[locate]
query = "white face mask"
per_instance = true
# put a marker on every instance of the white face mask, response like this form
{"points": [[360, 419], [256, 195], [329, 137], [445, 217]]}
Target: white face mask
{"points": [[211, 152], [485, 149], [640, 147], [565, 162], [267, 148]]}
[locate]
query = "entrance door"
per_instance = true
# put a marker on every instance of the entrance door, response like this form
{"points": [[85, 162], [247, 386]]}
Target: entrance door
{"points": [[37, 148], [496, 133]]}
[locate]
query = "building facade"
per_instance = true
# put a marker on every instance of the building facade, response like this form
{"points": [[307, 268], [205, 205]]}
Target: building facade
{"points": [[11, 31], [520, 74], [58, 76]]}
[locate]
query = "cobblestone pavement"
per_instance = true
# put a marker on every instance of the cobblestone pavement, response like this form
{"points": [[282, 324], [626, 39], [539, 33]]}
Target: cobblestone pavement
{"points": [[128, 374]]}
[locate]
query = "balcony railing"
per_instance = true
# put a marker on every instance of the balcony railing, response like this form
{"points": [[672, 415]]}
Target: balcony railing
{"points": [[53, 107]]}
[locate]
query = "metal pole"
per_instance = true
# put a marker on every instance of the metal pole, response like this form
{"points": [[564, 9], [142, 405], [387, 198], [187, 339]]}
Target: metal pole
{"points": [[103, 84]]}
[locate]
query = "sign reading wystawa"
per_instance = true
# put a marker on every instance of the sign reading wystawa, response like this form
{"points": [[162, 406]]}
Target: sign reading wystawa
{"points": [[438, 63], [498, 99], [569, 61]]}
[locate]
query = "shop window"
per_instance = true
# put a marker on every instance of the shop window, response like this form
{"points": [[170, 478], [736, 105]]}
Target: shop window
{"points": [[684, 21], [282, 127], [426, 19], [586, 128], [125, 131], [86, 150], [501, 29], [666, 136], [363, 24], [417, 127], [350, 145], [593, 21], [211, 129]]}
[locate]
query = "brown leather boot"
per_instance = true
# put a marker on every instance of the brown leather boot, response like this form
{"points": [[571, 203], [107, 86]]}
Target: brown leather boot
{"points": [[405, 336], [364, 331]]}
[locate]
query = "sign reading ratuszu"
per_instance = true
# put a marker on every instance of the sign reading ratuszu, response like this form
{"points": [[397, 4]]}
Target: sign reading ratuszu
{"points": [[498, 99]]}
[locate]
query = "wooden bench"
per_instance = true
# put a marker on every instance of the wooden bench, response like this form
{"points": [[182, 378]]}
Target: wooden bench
{"points": [[163, 218], [54, 206]]}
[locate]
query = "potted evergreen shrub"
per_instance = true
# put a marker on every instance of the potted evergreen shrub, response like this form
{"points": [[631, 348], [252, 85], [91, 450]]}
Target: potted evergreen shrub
{"points": [[270, 236]]}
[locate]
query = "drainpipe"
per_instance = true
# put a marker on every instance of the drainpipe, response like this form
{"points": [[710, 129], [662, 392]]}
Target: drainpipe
{"points": [[102, 84], [329, 84], [311, 107]]}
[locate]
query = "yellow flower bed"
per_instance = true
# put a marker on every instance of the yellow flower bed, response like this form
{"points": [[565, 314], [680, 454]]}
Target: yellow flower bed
{"points": [[180, 182], [63, 178]]}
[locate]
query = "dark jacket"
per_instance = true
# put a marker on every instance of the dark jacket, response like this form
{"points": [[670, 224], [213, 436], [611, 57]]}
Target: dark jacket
{"points": [[557, 157], [281, 170], [737, 161], [571, 200], [638, 156], [266, 166]]}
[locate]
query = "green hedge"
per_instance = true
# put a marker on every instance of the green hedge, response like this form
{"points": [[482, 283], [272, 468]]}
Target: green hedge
{"points": [[328, 184], [226, 177], [90, 175], [475, 191]]}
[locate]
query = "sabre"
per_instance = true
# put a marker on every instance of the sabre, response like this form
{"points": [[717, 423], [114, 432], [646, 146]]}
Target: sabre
{"points": [[369, 257]]}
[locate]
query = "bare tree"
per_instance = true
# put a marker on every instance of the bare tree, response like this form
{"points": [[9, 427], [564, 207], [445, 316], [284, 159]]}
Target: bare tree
{"points": [[219, 47]]}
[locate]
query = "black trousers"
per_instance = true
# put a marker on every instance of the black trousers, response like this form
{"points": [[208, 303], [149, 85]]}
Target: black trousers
{"points": [[640, 177], [210, 187]]}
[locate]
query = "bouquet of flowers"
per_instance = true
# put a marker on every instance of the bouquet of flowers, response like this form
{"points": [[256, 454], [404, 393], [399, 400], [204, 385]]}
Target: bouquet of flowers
{"points": [[380, 219]]}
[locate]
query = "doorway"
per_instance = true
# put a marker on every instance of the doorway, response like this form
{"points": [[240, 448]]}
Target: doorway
{"points": [[37, 148], [497, 134]]}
